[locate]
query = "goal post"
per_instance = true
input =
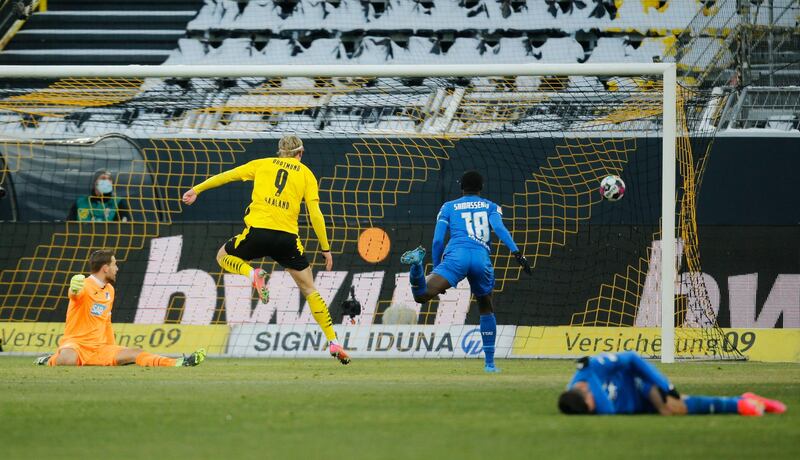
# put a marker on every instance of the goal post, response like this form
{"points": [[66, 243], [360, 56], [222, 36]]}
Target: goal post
{"points": [[668, 241], [474, 102]]}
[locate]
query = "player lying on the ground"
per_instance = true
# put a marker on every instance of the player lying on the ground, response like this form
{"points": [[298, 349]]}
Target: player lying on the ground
{"points": [[88, 338], [624, 383], [469, 220], [279, 185]]}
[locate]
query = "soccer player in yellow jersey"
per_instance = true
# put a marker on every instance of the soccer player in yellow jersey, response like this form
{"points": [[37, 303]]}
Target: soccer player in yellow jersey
{"points": [[279, 185], [88, 338]]}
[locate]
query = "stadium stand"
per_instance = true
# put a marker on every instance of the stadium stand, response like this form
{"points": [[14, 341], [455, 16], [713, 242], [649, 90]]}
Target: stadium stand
{"points": [[351, 31], [101, 32], [413, 31], [708, 38], [716, 44]]}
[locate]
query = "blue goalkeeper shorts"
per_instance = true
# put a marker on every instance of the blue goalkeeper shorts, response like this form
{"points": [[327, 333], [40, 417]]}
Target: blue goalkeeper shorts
{"points": [[473, 264]]}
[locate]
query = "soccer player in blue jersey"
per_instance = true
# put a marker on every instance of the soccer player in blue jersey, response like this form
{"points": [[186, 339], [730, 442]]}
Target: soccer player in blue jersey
{"points": [[469, 220], [624, 383]]}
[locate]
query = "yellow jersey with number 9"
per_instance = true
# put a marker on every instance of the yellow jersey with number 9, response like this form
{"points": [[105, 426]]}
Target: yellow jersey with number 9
{"points": [[279, 185]]}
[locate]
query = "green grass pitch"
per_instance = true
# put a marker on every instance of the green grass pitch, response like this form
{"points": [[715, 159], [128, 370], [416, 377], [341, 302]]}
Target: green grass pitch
{"points": [[398, 409]]}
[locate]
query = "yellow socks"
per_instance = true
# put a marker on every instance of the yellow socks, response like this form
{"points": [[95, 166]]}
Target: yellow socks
{"points": [[319, 309], [321, 314], [234, 264]]}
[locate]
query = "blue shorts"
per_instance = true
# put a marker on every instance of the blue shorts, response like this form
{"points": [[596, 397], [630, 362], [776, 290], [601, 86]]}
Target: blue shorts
{"points": [[473, 264]]}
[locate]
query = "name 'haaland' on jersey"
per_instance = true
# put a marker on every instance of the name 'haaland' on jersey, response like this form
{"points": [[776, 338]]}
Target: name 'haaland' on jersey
{"points": [[283, 204]]}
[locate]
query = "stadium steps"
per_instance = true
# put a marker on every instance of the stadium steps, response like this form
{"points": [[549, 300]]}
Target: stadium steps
{"points": [[50, 39], [124, 5], [93, 32], [83, 57], [130, 20]]}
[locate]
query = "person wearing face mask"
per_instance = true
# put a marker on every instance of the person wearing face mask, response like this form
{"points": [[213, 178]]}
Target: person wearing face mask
{"points": [[101, 205]]}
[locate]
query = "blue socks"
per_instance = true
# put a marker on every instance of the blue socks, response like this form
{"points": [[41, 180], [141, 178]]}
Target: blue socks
{"points": [[417, 278], [712, 404], [488, 334]]}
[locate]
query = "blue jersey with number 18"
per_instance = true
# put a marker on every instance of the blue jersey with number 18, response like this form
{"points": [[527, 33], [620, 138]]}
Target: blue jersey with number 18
{"points": [[467, 219], [470, 221]]}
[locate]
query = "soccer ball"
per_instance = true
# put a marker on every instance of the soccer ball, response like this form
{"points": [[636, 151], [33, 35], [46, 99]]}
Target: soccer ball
{"points": [[612, 188]]}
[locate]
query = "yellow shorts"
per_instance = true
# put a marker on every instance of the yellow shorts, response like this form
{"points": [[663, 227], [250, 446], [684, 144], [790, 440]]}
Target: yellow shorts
{"points": [[102, 355]]}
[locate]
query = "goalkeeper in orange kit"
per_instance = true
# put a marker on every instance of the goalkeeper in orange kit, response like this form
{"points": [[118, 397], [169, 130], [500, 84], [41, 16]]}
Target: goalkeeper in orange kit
{"points": [[88, 338]]}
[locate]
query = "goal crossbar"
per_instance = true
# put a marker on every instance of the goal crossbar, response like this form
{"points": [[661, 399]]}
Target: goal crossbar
{"points": [[231, 71]]}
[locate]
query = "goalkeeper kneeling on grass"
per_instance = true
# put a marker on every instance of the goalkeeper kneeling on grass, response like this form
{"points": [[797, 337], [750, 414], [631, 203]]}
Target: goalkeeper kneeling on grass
{"points": [[624, 383], [88, 338]]}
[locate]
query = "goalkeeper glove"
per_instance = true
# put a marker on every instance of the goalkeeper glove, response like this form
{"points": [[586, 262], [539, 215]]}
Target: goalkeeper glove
{"points": [[526, 266], [76, 283]]}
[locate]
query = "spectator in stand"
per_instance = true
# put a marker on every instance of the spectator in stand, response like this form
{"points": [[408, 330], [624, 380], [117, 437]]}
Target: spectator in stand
{"points": [[100, 205]]}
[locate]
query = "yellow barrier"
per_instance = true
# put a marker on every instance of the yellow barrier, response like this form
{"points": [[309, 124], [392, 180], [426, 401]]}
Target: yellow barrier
{"points": [[171, 339], [768, 345]]}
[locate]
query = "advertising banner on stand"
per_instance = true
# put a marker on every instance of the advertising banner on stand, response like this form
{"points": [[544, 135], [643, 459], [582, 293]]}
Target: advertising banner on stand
{"points": [[768, 345], [373, 341]]}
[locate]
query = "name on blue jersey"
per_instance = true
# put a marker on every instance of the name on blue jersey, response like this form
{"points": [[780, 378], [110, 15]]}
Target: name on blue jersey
{"points": [[471, 205]]}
